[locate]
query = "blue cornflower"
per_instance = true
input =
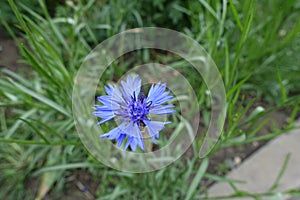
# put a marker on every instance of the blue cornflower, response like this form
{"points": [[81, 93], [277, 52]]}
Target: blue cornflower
{"points": [[131, 108]]}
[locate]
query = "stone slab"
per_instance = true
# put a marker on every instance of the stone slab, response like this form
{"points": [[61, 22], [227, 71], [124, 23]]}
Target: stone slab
{"points": [[261, 169]]}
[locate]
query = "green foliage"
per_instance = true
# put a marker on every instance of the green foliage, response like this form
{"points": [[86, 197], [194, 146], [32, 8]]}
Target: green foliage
{"points": [[38, 139], [6, 13]]}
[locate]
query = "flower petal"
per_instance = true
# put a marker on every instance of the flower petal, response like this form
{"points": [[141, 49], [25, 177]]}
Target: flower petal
{"points": [[120, 139], [126, 105], [157, 94], [114, 98], [162, 110], [134, 136], [111, 104], [116, 95], [154, 127], [119, 134], [104, 112], [112, 134], [131, 141], [131, 87]]}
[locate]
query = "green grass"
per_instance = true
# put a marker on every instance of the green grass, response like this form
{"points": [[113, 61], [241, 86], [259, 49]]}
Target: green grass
{"points": [[255, 44]]}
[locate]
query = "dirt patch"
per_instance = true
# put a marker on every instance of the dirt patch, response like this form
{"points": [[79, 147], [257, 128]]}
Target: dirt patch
{"points": [[78, 186], [9, 55]]}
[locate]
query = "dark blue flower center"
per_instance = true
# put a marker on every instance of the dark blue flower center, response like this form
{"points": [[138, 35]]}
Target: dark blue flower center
{"points": [[138, 108]]}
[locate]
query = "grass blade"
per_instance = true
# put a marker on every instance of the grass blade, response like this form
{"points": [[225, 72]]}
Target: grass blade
{"points": [[281, 172], [197, 179], [210, 9], [65, 166], [41, 98], [16, 125], [283, 91], [236, 15], [32, 142], [36, 130]]}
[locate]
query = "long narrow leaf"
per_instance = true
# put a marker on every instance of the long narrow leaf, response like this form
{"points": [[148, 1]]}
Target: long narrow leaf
{"points": [[41, 98], [36, 130], [197, 179]]}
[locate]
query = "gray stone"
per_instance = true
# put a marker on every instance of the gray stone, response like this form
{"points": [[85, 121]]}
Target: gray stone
{"points": [[261, 169]]}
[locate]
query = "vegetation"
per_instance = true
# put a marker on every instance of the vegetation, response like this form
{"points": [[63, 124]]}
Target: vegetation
{"points": [[255, 45]]}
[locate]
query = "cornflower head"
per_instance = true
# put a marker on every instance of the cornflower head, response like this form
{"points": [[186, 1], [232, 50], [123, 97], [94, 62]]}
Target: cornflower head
{"points": [[131, 109]]}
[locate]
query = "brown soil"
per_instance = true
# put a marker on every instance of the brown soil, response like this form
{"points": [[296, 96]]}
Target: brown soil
{"points": [[9, 57], [79, 186]]}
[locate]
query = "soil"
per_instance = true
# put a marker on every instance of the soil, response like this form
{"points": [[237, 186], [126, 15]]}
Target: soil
{"points": [[80, 185], [9, 55]]}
